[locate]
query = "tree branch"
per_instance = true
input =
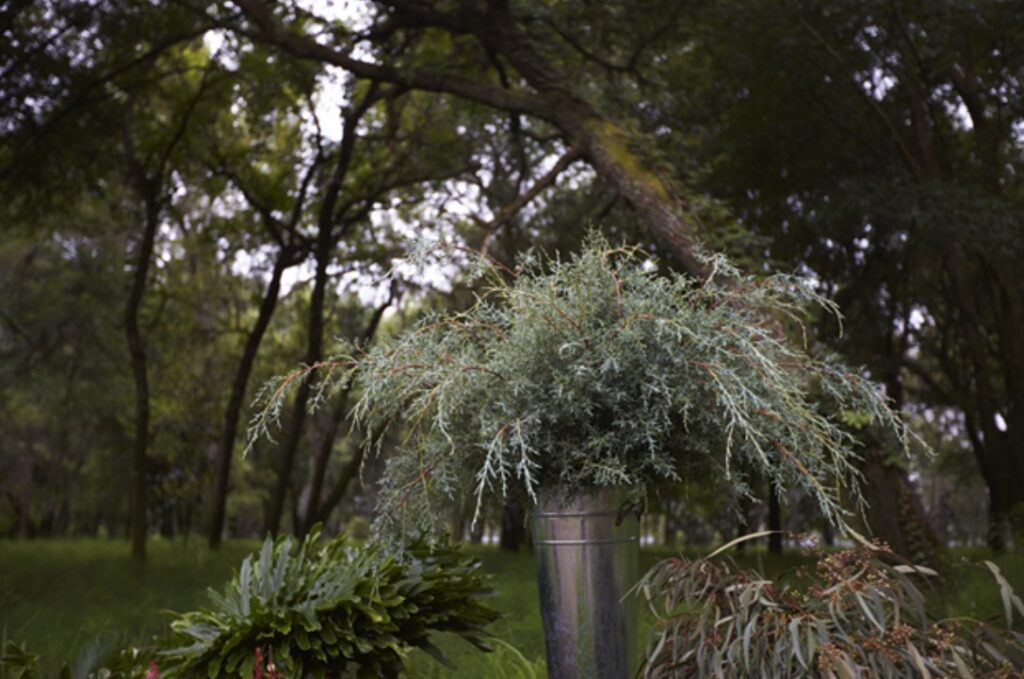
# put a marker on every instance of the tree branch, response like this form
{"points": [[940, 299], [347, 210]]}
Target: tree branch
{"points": [[521, 201], [271, 31], [832, 52]]}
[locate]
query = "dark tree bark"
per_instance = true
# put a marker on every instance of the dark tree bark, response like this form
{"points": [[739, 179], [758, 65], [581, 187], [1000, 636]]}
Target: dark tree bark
{"points": [[328, 235], [458, 523], [148, 192], [897, 517], [513, 526], [774, 519], [335, 417], [291, 250], [137, 356], [315, 510], [744, 509], [314, 352], [671, 524], [828, 534], [148, 186], [476, 532], [347, 475], [136, 352], [238, 387]]}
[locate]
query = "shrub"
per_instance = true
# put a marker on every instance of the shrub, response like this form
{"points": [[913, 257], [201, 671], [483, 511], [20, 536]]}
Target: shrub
{"points": [[598, 371], [330, 610], [857, 616]]}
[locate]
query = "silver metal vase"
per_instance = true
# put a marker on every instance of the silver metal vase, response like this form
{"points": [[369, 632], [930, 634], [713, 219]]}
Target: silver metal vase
{"points": [[587, 554]]}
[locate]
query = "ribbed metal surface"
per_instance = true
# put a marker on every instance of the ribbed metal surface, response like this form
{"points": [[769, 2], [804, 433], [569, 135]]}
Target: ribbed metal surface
{"points": [[585, 565]]}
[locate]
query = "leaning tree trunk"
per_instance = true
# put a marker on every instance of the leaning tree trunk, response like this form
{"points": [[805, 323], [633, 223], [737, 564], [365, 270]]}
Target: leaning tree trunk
{"points": [[328, 236], [315, 511], [238, 387], [314, 352], [550, 94]]}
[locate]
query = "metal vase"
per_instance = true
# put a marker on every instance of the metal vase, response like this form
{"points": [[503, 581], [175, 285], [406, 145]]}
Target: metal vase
{"points": [[587, 560]]}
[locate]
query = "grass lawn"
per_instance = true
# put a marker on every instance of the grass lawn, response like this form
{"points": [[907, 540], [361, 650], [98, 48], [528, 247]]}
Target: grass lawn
{"points": [[76, 600]]}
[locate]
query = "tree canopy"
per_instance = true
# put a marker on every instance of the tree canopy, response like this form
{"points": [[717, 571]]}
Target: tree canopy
{"points": [[201, 195]]}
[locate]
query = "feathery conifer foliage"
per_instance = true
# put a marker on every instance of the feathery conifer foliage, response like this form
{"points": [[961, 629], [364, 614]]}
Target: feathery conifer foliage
{"points": [[599, 371]]}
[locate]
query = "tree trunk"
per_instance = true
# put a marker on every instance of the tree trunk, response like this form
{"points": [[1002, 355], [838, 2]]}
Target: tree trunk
{"points": [[896, 517], [327, 239], [23, 500], [998, 525], [671, 524], [314, 352], [743, 522], [137, 354], [148, 188], [238, 387], [313, 512], [828, 533], [476, 532], [338, 490], [458, 524], [774, 519], [1005, 513], [513, 526]]}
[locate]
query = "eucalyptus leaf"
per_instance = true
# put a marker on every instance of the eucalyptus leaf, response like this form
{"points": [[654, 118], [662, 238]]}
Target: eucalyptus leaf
{"points": [[858, 616]]}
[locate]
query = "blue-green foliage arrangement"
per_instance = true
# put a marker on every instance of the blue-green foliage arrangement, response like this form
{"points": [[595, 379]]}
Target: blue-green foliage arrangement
{"points": [[598, 370], [328, 609]]}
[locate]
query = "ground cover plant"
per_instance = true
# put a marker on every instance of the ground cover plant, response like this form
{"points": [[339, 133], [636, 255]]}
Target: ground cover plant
{"points": [[331, 608], [858, 613]]}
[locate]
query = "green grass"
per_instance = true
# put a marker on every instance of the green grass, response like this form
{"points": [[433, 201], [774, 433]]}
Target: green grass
{"points": [[74, 600], [520, 627], [972, 590], [71, 600]]}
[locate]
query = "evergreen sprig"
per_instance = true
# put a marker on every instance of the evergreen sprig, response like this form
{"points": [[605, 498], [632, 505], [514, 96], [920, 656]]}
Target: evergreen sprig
{"points": [[598, 370]]}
